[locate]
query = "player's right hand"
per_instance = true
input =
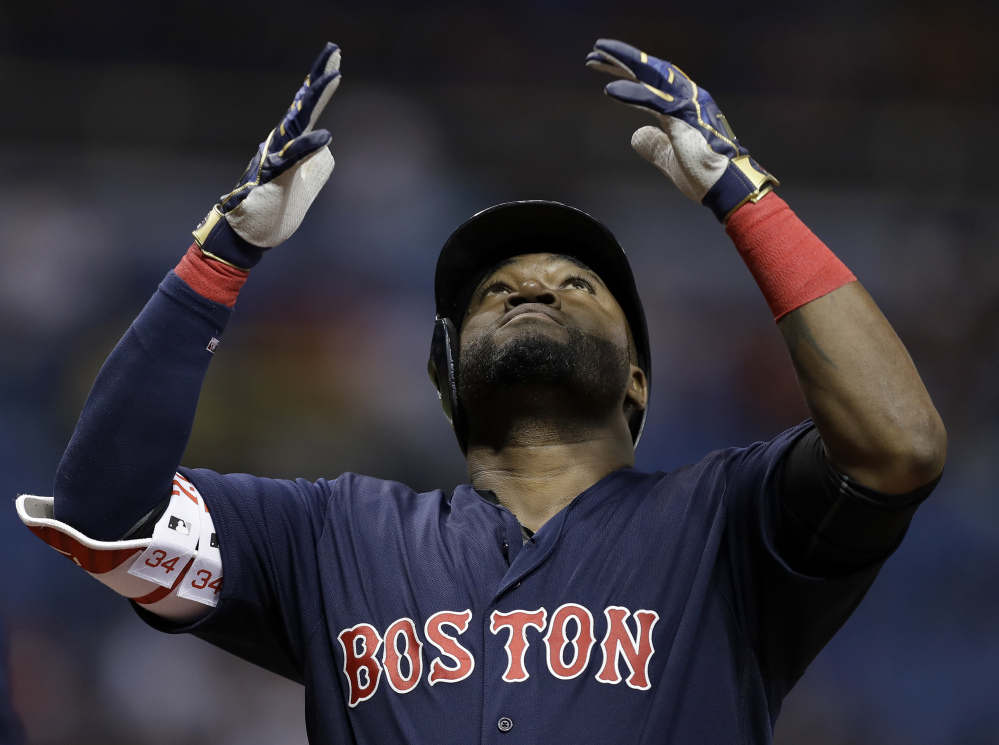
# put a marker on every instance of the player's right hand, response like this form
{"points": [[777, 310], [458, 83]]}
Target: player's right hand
{"points": [[282, 180], [696, 147]]}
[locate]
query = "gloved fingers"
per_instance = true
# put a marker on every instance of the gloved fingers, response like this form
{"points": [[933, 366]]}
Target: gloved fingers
{"points": [[316, 96], [706, 118], [322, 80], [312, 97], [622, 59], [310, 100], [617, 56], [605, 63], [645, 96], [327, 61], [294, 152]]}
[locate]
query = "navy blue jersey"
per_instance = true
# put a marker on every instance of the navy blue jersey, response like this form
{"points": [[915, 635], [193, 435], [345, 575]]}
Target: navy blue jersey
{"points": [[654, 608]]}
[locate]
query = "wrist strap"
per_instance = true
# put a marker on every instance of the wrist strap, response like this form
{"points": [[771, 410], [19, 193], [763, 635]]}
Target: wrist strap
{"points": [[789, 263], [220, 241], [215, 280]]}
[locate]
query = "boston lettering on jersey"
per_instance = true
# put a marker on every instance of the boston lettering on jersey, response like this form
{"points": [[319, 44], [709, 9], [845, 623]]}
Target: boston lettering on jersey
{"points": [[569, 642]]}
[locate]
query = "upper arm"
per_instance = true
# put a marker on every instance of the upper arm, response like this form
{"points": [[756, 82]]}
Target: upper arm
{"points": [[228, 560], [268, 530], [787, 614], [828, 523]]}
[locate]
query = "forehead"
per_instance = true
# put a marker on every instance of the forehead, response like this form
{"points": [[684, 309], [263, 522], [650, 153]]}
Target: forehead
{"points": [[549, 261]]}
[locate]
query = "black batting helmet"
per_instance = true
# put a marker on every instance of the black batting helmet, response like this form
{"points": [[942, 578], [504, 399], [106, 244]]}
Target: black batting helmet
{"points": [[512, 229]]}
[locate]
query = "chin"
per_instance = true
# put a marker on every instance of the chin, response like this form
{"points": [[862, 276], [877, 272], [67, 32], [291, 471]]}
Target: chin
{"points": [[541, 352]]}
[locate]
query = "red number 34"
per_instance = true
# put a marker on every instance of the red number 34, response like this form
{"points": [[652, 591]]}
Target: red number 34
{"points": [[204, 577], [156, 560]]}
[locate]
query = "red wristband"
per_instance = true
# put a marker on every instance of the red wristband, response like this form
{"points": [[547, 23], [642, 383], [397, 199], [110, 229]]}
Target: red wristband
{"points": [[789, 263], [211, 279]]}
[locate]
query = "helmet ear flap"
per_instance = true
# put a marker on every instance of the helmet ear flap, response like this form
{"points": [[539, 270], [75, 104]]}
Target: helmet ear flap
{"points": [[443, 370]]}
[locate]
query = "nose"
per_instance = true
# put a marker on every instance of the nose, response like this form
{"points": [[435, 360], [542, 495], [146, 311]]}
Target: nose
{"points": [[532, 291]]}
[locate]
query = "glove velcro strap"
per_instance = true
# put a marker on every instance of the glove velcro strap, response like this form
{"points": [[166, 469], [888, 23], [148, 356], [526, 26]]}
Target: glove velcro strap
{"points": [[217, 240], [175, 574], [742, 181]]}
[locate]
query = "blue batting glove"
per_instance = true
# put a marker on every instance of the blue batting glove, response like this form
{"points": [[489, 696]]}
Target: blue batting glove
{"points": [[696, 147], [281, 182]]}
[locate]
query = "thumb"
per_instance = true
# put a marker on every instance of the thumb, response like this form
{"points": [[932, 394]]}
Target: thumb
{"points": [[296, 151], [655, 146]]}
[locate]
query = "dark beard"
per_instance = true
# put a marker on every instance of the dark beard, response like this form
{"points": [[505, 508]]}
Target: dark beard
{"points": [[589, 367]]}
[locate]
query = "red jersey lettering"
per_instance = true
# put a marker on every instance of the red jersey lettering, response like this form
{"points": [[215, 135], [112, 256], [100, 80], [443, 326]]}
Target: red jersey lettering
{"points": [[363, 671], [392, 657], [556, 640], [516, 645], [183, 486], [619, 642], [448, 646]]}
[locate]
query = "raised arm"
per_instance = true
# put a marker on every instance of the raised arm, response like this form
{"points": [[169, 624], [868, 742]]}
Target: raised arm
{"points": [[876, 420], [875, 417], [135, 425]]}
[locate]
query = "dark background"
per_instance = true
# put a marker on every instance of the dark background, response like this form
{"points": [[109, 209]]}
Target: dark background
{"points": [[120, 125]]}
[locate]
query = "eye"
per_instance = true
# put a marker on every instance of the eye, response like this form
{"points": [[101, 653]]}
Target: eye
{"points": [[575, 282], [495, 288]]}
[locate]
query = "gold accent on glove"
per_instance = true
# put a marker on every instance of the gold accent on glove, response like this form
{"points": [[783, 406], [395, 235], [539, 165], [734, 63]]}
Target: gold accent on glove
{"points": [[758, 178], [205, 226], [659, 93], [201, 235], [763, 182]]}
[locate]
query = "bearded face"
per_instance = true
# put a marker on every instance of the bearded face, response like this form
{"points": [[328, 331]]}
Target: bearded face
{"points": [[543, 322], [592, 366]]}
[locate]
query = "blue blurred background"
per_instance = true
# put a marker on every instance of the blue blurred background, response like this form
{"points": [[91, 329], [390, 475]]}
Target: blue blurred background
{"points": [[120, 125]]}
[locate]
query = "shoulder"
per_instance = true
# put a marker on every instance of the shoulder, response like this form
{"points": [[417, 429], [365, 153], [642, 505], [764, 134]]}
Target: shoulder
{"points": [[761, 459], [358, 502], [349, 491], [367, 492], [723, 470]]}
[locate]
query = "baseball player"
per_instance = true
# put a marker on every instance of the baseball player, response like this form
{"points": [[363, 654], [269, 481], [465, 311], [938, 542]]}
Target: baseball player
{"points": [[561, 596]]}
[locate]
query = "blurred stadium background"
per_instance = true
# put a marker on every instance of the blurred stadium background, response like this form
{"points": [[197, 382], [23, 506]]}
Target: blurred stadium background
{"points": [[121, 124]]}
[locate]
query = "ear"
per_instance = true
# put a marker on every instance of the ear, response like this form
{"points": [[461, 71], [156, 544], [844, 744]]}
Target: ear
{"points": [[636, 397]]}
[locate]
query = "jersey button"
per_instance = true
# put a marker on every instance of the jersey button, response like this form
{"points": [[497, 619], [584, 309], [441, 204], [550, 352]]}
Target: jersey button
{"points": [[505, 724]]}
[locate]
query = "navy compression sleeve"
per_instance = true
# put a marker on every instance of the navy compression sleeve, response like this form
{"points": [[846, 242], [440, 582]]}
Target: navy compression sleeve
{"points": [[137, 419], [829, 524]]}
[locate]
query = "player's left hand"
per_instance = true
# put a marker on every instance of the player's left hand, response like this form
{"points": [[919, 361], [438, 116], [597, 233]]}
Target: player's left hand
{"points": [[696, 147]]}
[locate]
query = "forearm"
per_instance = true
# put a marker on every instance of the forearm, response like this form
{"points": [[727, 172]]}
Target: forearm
{"points": [[874, 415], [137, 419]]}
